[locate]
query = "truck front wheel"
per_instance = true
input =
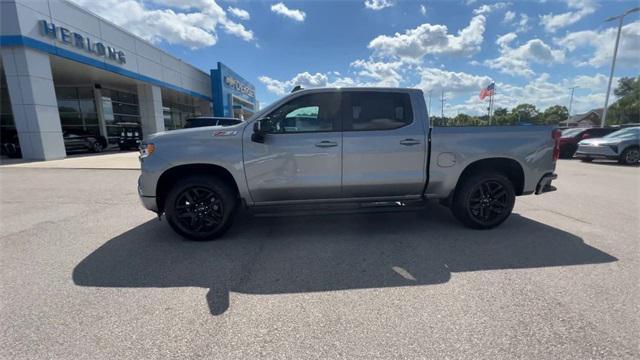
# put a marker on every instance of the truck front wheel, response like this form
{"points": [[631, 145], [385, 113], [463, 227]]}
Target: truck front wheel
{"points": [[484, 201], [200, 207]]}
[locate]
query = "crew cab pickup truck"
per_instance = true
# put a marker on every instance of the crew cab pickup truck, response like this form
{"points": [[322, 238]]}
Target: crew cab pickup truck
{"points": [[357, 145]]}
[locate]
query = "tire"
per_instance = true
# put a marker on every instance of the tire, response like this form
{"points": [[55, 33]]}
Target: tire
{"points": [[212, 210], [97, 147], [630, 156], [587, 160], [484, 201]]}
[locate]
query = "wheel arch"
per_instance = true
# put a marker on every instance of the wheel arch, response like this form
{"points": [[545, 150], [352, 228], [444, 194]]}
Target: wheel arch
{"points": [[509, 167], [172, 175]]}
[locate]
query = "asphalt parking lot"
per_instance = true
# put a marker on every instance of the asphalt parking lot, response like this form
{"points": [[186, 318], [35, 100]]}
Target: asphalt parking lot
{"points": [[86, 272]]}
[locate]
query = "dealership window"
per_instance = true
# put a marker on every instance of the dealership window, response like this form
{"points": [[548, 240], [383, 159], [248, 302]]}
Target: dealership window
{"points": [[8, 133], [177, 111], [120, 108], [77, 110]]}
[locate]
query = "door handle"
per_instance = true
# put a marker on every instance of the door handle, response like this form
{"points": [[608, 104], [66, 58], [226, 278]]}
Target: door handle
{"points": [[326, 144], [409, 142]]}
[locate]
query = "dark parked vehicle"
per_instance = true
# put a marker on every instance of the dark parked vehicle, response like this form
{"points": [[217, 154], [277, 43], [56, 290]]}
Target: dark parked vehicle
{"points": [[210, 121], [73, 141], [130, 136], [81, 141], [571, 137]]}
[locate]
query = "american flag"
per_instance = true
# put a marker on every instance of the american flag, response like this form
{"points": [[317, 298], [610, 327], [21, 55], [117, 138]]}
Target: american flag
{"points": [[488, 91]]}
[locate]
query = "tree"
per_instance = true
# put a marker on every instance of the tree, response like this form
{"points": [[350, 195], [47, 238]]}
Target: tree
{"points": [[500, 112], [501, 116], [627, 108], [525, 113], [555, 114]]}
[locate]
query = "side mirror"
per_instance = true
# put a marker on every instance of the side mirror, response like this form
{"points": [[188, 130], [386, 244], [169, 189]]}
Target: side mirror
{"points": [[585, 136], [258, 132]]}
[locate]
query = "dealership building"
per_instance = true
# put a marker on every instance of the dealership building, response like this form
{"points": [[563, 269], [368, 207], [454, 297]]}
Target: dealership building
{"points": [[65, 70]]}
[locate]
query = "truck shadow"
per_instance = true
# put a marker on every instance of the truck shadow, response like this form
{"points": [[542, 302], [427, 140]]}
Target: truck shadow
{"points": [[294, 254]]}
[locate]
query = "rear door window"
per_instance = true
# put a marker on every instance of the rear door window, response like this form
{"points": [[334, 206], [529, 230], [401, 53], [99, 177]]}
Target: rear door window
{"points": [[373, 110]]}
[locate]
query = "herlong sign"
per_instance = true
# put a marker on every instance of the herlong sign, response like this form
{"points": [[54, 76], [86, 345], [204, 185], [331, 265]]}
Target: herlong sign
{"points": [[66, 36]]}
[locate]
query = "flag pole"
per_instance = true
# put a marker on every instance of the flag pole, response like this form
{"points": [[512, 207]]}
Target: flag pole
{"points": [[490, 108]]}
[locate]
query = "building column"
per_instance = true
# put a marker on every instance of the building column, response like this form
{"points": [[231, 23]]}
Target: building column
{"points": [[97, 98], [34, 104], [150, 102]]}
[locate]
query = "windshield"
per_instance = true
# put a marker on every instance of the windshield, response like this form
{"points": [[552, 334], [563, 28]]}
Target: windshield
{"points": [[571, 132], [628, 132]]}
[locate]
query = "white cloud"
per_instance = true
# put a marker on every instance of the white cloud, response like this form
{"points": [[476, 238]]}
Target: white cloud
{"points": [[368, 73], [523, 24], [602, 43], [517, 60], [378, 4], [540, 92], [293, 14], [509, 16], [194, 25], [485, 9], [307, 81], [379, 73], [449, 81], [239, 13], [413, 44], [506, 39], [581, 8], [423, 9]]}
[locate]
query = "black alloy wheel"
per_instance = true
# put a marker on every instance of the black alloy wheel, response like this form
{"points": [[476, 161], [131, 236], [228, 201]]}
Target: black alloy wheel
{"points": [[200, 207], [488, 201], [484, 201], [97, 147]]}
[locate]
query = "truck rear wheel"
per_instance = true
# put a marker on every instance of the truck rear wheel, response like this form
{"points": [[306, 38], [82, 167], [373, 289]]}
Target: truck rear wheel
{"points": [[484, 201], [200, 208]]}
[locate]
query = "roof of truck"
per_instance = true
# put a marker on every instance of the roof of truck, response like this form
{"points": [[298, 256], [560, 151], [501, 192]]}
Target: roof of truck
{"points": [[372, 88]]}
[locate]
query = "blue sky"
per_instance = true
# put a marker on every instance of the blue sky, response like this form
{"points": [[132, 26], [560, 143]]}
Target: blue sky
{"points": [[534, 50]]}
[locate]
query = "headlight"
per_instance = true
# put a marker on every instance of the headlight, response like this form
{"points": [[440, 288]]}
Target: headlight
{"points": [[146, 150]]}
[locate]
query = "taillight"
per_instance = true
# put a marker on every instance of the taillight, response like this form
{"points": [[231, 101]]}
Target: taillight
{"points": [[555, 135]]}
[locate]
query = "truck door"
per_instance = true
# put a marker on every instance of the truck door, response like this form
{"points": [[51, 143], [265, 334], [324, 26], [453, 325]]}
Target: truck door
{"points": [[301, 156], [384, 146]]}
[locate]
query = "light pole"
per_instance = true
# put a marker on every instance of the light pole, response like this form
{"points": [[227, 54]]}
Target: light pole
{"points": [[613, 62], [571, 100]]}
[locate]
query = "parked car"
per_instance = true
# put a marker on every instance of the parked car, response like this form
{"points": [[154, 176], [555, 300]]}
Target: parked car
{"points": [[210, 121], [130, 136], [353, 145], [570, 138], [83, 141], [622, 145], [74, 141]]}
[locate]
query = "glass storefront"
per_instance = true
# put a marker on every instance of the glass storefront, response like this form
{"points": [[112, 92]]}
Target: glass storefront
{"points": [[8, 133], [176, 113], [77, 109], [119, 108]]}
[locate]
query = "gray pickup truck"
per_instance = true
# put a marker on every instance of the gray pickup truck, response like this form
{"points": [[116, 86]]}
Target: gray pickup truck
{"points": [[347, 145]]}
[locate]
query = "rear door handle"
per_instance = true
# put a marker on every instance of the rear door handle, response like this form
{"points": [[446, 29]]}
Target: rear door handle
{"points": [[409, 142], [326, 144]]}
